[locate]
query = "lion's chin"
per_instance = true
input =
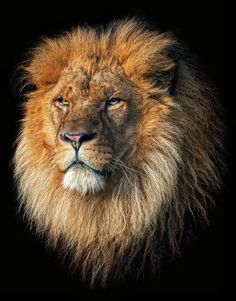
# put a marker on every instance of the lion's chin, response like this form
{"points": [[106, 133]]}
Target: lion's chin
{"points": [[82, 179]]}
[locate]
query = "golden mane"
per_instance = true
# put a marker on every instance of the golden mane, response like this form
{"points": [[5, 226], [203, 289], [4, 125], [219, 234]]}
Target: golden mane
{"points": [[172, 173]]}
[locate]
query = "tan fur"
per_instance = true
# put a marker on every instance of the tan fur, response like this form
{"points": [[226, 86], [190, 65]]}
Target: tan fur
{"points": [[174, 159]]}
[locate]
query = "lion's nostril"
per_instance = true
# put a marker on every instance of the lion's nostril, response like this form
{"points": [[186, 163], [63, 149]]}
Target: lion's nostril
{"points": [[73, 137], [76, 139]]}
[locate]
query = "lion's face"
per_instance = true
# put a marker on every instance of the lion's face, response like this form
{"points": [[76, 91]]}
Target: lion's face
{"points": [[95, 121]]}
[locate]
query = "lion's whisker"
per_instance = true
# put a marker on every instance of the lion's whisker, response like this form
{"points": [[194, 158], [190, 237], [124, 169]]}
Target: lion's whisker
{"points": [[125, 166]]}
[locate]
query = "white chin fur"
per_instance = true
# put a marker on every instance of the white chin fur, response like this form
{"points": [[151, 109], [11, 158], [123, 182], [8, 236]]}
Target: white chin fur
{"points": [[82, 180]]}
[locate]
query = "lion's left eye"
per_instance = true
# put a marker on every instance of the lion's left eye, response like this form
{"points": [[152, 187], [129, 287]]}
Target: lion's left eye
{"points": [[113, 102]]}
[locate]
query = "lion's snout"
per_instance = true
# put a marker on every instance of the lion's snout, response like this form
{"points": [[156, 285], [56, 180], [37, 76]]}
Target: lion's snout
{"points": [[89, 149]]}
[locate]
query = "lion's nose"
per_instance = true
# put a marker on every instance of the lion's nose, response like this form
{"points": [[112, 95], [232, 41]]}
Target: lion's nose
{"points": [[76, 139]]}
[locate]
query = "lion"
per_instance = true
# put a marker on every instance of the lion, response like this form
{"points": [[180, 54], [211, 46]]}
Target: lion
{"points": [[120, 149]]}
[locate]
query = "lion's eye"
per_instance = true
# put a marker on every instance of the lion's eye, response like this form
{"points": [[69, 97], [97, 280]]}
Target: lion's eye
{"points": [[62, 102], [114, 102]]}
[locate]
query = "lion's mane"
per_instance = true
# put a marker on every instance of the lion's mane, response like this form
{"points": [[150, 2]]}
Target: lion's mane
{"points": [[177, 163]]}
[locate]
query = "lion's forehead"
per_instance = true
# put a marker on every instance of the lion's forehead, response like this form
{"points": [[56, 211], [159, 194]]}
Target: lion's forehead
{"points": [[77, 81]]}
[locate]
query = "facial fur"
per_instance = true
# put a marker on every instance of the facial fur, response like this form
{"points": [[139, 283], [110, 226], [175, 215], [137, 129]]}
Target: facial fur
{"points": [[119, 143], [103, 108]]}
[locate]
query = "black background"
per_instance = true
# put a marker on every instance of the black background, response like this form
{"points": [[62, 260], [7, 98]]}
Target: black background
{"points": [[26, 267]]}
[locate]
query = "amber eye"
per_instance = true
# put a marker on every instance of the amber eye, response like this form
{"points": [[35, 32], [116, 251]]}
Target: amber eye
{"points": [[62, 102], [114, 103]]}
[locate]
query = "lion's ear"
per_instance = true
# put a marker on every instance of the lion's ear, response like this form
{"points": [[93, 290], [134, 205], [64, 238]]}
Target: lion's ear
{"points": [[25, 85], [166, 80], [165, 76], [149, 56], [20, 82]]}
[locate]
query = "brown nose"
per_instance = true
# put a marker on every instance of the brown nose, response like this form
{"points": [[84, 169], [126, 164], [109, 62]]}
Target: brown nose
{"points": [[76, 139]]}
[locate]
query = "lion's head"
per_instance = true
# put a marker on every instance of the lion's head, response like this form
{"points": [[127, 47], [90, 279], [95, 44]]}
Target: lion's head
{"points": [[120, 141]]}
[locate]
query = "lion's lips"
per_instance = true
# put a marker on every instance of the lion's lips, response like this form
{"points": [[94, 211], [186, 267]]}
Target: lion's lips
{"points": [[79, 163]]}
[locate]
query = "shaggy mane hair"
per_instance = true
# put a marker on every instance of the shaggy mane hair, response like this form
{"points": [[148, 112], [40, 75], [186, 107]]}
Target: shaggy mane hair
{"points": [[171, 175]]}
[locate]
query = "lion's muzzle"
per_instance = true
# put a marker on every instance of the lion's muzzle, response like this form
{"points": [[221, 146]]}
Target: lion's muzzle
{"points": [[84, 157]]}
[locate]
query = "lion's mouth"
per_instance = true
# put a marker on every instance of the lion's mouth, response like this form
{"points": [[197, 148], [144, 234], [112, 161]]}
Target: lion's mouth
{"points": [[104, 173]]}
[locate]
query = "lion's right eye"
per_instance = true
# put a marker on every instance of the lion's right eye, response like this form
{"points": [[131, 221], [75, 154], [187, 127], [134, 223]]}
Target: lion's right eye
{"points": [[62, 102]]}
